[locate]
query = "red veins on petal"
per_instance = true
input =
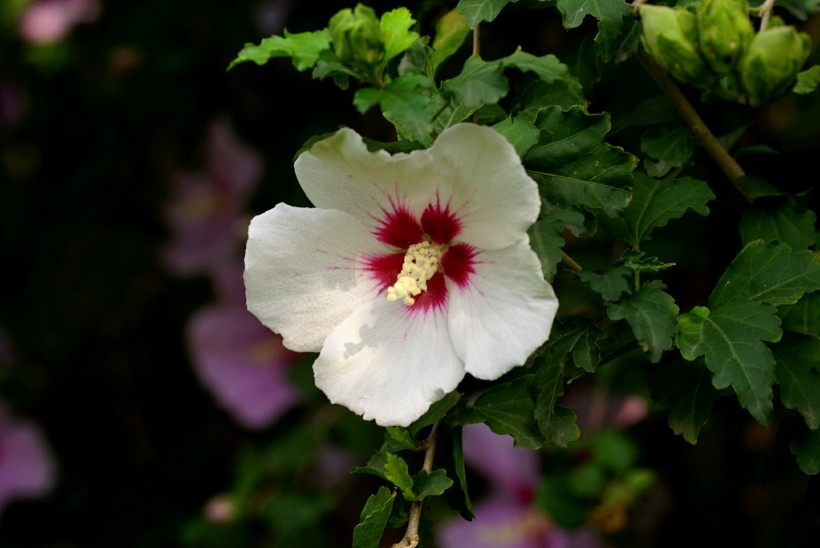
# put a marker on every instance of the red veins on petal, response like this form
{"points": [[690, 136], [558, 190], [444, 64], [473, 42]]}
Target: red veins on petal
{"points": [[457, 263], [384, 269], [399, 228], [440, 224], [435, 296]]}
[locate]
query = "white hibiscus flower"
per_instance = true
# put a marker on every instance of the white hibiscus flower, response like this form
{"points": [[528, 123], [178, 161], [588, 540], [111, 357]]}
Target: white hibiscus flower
{"points": [[411, 270]]}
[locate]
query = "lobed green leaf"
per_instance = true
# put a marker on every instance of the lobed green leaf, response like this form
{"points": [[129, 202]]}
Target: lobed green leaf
{"points": [[784, 220], [396, 34], [508, 408], [798, 373], [609, 13], [650, 312], [657, 201], [730, 337], [770, 273], [368, 533], [573, 164], [557, 424], [303, 48], [685, 389], [476, 11], [806, 448]]}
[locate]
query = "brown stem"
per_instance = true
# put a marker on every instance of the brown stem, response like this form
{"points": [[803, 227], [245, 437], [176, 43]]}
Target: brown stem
{"points": [[411, 536], [700, 131]]}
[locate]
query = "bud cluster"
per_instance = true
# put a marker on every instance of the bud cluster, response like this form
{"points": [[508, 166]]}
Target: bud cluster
{"points": [[356, 36], [713, 45]]}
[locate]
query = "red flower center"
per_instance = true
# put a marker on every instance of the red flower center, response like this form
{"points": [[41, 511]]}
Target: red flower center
{"points": [[400, 229]]}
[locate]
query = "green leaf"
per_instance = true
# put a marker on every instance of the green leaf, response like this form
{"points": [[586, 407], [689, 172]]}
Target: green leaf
{"points": [[451, 30], [375, 465], [480, 82], [670, 147], [548, 68], [655, 202], [546, 240], [807, 450], [368, 532], [436, 412], [784, 220], [432, 484], [731, 339], [395, 30], [610, 285], [770, 273], [557, 424], [636, 262], [685, 389], [807, 80], [406, 102], [577, 338], [803, 316], [521, 133], [574, 166], [798, 373], [757, 187], [303, 48], [507, 408], [451, 449], [400, 437], [650, 312], [397, 472], [476, 11], [610, 14]]}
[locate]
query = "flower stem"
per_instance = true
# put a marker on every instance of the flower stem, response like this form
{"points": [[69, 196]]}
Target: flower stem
{"points": [[411, 536], [570, 262], [765, 13], [700, 131]]}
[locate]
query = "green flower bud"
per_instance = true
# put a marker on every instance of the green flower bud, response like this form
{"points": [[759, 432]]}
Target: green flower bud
{"points": [[724, 32], [356, 36], [670, 36], [772, 62]]}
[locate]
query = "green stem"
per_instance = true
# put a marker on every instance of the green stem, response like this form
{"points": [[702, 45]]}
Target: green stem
{"points": [[700, 131], [411, 536], [570, 262]]}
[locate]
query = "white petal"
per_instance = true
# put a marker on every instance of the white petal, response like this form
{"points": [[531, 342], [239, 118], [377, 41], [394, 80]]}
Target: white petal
{"points": [[481, 175], [304, 272], [504, 314], [340, 173], [389, 363]]}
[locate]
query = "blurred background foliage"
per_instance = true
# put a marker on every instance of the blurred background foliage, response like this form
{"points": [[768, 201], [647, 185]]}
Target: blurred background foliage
{"points": [[96, 124]]}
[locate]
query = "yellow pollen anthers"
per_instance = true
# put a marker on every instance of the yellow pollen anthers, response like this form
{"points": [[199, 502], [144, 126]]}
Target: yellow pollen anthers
{"points": [[420, 264]]}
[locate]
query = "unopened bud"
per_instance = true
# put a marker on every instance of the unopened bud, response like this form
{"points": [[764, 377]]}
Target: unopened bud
{"points": [[670, 36], [724, 32], [772, 62], [356, 36]]}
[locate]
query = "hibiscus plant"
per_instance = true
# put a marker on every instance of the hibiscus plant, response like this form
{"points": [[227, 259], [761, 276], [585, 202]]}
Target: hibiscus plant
{"points": [[515, 224]]}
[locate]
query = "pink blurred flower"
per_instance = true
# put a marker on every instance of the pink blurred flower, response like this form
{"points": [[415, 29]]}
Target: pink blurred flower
{"points": [[206, 211], [27, 468], [597, 407], [240, 361], [506, 518], [48, 21]]}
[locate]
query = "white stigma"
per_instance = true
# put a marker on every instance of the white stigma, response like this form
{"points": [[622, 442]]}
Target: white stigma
{"points": [[420, 264]]}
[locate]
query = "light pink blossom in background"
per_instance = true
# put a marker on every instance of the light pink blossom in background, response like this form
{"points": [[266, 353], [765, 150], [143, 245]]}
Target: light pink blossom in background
{"points": [[27, 467], [48, 21], [242, 364], [238, 359], [506, 517], [206, 212], [597, 407]]}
